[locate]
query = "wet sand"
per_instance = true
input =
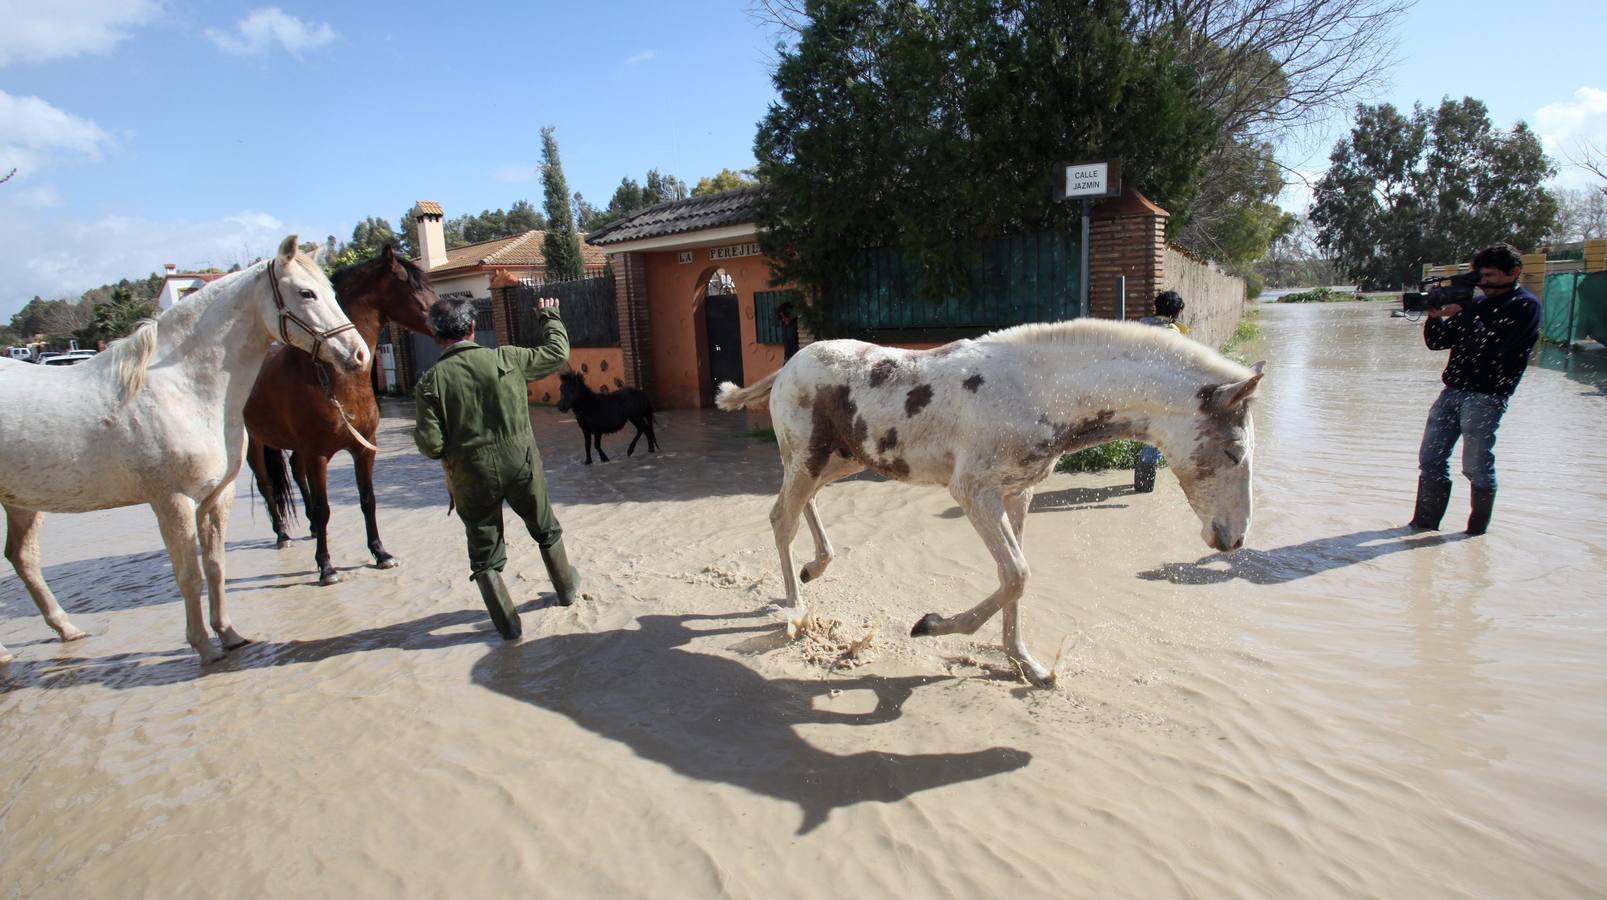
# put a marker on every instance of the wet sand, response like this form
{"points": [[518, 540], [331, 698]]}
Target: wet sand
{"points": [[1344, 710]]}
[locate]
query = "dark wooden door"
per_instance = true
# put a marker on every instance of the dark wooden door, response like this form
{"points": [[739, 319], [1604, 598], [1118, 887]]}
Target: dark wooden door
{"points": [[724, 322]]}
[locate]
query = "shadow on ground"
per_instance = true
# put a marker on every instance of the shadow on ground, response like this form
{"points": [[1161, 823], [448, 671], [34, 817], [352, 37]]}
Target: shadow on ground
{"points": [[714, 719], [1285, 564]]}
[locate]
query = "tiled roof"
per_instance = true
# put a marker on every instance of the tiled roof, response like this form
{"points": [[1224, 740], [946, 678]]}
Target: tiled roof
{"points": [[522, 250], [204, 276], [429, 208], [713, 211]]}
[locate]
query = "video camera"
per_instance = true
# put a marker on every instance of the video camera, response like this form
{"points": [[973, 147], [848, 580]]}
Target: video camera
{"points": [[1448, 289]]}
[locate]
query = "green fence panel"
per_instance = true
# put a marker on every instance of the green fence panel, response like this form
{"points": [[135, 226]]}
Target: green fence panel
{"points": [[1591, 308], [766, 318], [1013, 280], [1559, 316]]}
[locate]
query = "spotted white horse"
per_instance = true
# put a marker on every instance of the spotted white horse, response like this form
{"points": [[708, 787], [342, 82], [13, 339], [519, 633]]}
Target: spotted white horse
{"points": [[988, 418], [158, 419]]}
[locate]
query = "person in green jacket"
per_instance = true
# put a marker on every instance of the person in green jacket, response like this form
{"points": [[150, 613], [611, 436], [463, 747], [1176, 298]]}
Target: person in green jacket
{"points": [[474, 416]]}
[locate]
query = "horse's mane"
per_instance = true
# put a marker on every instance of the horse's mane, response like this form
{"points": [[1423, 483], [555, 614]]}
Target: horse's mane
{"points": [[130, 356], [1107, 333], [415, 274]]}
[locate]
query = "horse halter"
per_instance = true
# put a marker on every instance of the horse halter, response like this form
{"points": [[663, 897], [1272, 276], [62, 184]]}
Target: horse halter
{"points": [[288, 318]]}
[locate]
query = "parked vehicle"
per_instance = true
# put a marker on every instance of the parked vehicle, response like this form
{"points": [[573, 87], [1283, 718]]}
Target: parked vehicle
{"points": [[70, 358], [21, 354]]}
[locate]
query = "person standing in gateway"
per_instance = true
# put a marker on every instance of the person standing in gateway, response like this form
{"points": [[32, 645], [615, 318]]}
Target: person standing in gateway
{"points": [[1168, 306], [474, 415]]}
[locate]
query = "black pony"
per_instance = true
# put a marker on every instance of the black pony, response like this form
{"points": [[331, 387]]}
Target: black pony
{"points": [[600, 414]]}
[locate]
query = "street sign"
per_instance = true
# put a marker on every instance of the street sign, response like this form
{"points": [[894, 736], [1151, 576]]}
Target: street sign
{"points": [[1084, 181], [1095, 178]]}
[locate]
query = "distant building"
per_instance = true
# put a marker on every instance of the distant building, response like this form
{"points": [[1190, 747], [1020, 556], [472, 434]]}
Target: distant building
{"points": [[467, 270], [177, 285]]}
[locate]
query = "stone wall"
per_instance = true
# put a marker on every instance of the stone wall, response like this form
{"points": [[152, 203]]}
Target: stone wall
{"points": [[1213, 300]]}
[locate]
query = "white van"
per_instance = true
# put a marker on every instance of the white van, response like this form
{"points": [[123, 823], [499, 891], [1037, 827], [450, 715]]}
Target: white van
{"points": [[21, 354]]}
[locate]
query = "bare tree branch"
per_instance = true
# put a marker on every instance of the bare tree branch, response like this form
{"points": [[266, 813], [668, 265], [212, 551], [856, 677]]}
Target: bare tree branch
{"points": [[1592, 159]]}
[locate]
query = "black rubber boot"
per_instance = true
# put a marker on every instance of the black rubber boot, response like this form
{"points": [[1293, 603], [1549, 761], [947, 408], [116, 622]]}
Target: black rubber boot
{"points": [[565, 580], [498, 604], [1143, 478], [1479, 519], [1432, 498]]}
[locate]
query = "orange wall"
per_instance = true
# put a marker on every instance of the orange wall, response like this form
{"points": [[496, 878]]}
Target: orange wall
{"points": [[679, 361], [602, 367]]}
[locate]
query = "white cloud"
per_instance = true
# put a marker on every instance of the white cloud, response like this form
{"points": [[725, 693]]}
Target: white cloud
{"points": [[1567, 126], [59, 256], [42, 196], [33, 134], [261, 29], [515, 172], [642, 57], [41, 30]]}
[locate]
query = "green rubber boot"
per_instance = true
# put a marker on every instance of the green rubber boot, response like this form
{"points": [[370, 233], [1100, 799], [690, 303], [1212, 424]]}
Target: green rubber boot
{"points": [[498, 604], [565, 580]]}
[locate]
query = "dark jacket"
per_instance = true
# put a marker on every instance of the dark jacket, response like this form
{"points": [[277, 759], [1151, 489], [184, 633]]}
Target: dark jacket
{"points": [[1489, 340]]}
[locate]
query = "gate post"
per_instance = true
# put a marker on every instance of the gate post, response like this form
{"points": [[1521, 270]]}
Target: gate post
{"points": [[504, 291], [1128, 239], [635, 334], [402, 347]]}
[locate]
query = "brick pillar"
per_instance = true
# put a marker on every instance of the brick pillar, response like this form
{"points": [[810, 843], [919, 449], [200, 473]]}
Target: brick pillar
{"points": [[402, 346], [503, 290], [1534, 273], [1127, 236], [635, 333]]}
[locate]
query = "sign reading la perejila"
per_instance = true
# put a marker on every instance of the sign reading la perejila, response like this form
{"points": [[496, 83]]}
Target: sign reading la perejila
{"points": [[1096, 178]]}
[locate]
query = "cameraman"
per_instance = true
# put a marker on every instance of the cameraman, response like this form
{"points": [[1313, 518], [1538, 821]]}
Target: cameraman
{"points": [[1489, 340]]}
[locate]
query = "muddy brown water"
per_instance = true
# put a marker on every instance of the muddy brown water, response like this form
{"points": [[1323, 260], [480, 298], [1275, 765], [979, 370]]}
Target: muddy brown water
{"points": [[1342, 710]]}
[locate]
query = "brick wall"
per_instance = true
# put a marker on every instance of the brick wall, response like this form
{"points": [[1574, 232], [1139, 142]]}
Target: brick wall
{"points": [[502, 313], [635, 335], [1127, 236], [403, 348]]}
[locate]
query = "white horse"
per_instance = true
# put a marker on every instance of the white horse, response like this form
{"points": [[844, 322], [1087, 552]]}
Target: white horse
{"points": [[989, 418], [157, 419]]}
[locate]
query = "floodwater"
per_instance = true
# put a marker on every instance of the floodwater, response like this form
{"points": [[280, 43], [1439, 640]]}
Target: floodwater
{"points": [[1343, 710]]}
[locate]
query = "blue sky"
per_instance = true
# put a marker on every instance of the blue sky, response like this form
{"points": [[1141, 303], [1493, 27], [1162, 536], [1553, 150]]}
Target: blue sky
{"points": [[152, 131]]}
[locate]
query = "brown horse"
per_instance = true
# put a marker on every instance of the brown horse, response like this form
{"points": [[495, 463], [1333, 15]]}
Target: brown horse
{"points": [[313, 414]]}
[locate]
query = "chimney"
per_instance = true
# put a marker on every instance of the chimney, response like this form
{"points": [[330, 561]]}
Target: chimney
{"points": [[431, 234], [170, 267]]}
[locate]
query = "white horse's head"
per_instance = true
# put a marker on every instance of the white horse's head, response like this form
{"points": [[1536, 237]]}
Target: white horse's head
{"points": [[299, 308], [1210, 451]]}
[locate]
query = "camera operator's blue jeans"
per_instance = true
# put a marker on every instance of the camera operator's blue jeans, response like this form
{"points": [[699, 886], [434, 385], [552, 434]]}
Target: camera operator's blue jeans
{"points": [[1468, 415]]}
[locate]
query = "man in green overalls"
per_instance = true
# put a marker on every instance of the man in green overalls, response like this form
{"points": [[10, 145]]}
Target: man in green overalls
{"points": [[474, 416]]}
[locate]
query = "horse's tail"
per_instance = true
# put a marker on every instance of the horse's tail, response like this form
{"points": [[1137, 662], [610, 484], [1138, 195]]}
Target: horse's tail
{"points": [[132, 356], [732, 397], [280, 482]]}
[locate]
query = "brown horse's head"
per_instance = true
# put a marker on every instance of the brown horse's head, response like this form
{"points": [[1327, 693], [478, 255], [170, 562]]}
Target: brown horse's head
{"points": [[395, 288]]}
